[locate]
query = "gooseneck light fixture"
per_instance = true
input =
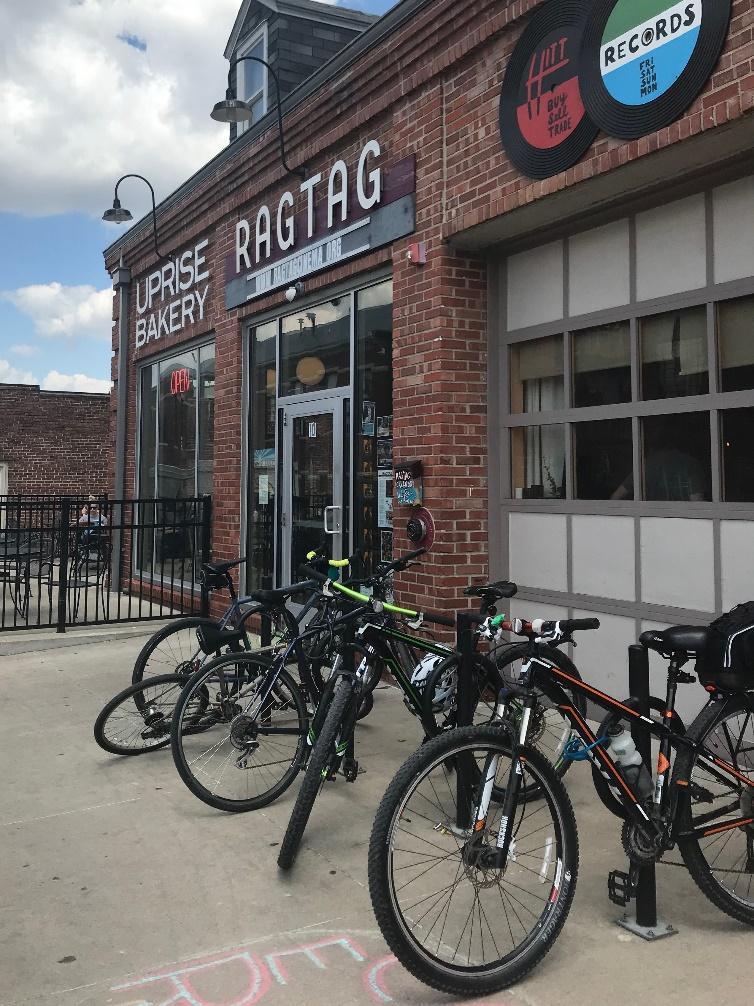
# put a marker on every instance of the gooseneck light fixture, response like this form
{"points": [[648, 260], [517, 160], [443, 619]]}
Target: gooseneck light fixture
{"points": [[233, 109], [119, 215]]}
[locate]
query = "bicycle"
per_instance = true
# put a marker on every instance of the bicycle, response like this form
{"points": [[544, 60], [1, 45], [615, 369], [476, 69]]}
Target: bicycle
{"points": [[429, 686], [508, 865], [137, 719]]}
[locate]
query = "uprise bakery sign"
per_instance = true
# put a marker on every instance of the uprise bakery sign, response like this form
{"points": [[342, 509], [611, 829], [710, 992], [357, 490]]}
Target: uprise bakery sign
{"points": [[172, 297]]}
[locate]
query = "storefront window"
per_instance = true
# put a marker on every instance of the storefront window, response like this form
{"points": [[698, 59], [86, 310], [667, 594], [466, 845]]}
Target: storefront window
{"points": [[315, 348], [262, 458], [537, 375], [373, 520], [538, 462], [737, 426], [674, 354], [676, 457], [176, 457], [604, 460], [602, 365], [736, 328]]}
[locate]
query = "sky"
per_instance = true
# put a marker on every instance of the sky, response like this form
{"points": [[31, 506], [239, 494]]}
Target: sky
{"points": [[91, 90]]}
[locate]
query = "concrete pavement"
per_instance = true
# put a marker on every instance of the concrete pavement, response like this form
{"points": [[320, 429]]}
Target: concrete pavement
{"points": [[119, 887]]}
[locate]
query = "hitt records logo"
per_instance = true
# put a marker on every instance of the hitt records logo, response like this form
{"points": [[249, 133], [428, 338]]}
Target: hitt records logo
{"points": [[645, 61], [543, 123]]}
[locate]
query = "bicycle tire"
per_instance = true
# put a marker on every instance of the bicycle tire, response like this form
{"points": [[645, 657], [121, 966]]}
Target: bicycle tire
{"points": [[701, 731], [316, 769], [183, 758], [179, 625], [428, 968], [134, 699]]}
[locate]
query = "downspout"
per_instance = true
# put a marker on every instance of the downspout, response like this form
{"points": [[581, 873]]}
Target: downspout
{"points": [[121, 283]]}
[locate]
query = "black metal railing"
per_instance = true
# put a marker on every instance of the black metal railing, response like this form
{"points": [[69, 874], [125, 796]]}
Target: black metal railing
{"points": [[68, 560]]}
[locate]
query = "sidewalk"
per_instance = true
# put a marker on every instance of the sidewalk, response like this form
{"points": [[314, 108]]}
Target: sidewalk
{"points": [[120, 888]]}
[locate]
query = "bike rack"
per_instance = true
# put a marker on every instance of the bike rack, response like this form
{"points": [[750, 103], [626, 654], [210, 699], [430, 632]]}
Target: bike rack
{"points": [[645, 922]]}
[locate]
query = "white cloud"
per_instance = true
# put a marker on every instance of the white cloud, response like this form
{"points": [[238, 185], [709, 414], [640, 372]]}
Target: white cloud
{"points": [[81, 104], [65, 311], [74, 382], [23, 349], [11, 375]]}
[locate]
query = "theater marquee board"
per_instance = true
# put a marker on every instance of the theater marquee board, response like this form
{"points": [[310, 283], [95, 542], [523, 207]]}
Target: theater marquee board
{"points": [[645, 61], [349, 211], [543, 123]]}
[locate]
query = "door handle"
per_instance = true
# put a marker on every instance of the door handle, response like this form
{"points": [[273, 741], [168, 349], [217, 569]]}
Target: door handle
{"points": [[336, 522]]}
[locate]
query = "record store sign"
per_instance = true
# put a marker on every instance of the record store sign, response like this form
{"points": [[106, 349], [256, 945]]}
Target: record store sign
{"points": [[345, 212]]}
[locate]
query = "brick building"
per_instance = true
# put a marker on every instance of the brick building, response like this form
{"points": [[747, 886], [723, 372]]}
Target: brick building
{"points": [[53, 441], [560, 331]]}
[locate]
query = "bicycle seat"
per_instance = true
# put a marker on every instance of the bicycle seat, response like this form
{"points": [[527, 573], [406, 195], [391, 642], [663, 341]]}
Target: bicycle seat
{"points": [[678, 639], [279, 596], [502, 588], [221, 568]]}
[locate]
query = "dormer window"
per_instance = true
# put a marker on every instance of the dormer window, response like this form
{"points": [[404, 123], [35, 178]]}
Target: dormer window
{"points": [[252, 77]]}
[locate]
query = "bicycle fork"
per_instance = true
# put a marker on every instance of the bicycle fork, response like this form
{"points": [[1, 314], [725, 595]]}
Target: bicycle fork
{"points": [[497, 858]]}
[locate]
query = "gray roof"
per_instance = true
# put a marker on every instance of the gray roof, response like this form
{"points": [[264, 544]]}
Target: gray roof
{"points": [[377, 31]]}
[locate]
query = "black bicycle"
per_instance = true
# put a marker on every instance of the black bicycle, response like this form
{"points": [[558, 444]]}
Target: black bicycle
{"points": [[472, 878]]}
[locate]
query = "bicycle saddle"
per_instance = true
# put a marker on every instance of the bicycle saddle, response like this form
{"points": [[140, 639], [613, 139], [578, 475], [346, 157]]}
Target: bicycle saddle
{"points": [[503, 588], [220, 568], [280, 595], [678, 639]]}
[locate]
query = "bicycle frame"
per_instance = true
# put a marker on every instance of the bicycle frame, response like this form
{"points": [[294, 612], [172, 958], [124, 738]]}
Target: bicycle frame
{"points": [[550, 679]]}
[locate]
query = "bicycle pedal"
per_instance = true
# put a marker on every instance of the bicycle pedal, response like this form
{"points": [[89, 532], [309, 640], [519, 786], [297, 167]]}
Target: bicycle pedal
{"points": [[351, 770], [620, 888]]}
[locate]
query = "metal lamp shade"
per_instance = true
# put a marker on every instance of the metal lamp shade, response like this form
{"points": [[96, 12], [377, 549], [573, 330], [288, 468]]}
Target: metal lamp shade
{"points": [[231, 110]]}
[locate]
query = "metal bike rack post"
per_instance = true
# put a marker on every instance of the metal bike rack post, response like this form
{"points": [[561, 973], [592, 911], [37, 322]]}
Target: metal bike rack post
{"points": [[645, 922], [465, 710]]}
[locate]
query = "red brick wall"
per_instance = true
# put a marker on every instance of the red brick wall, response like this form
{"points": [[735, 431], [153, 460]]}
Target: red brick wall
{"points": [[54, 441], [432, 88]]}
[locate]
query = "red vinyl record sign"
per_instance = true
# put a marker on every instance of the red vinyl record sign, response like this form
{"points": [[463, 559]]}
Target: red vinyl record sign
{"points": [[543, 123]]}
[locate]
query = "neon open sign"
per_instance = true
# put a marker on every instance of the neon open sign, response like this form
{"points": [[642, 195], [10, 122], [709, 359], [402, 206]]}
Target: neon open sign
{"points": [[180, 381]]}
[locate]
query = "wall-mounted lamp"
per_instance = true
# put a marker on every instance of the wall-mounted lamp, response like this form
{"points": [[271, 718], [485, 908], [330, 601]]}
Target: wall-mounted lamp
{"points": [[119, 215]]}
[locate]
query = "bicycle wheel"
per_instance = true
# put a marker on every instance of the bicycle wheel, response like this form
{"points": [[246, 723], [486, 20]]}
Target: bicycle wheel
{"points": [[241, 754], [720, 857], [550, 730], [173, 649], [138, 718], [456, 923], [317, 771]]}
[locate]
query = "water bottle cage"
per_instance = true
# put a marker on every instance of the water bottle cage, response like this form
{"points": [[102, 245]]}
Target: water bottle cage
{"points": [[577, 750]]}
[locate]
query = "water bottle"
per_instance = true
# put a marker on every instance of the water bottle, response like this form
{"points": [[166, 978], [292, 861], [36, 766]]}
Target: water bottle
{"points": [[623, 751]]}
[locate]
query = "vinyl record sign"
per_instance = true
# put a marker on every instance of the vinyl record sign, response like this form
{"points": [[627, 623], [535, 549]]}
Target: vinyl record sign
{"points": [[645, 61], [543, 124]]}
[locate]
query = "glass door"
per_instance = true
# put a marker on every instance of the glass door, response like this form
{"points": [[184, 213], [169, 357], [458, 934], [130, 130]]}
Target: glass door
{"points": [[312, 512]]}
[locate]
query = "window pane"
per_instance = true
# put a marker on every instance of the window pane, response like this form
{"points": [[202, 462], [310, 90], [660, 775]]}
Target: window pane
{"points": [[205, 461], [537, 375], [148, 431], [677, 457], [373, 519], [736, 327], [674, 354], [538, 462], [263, 462], [738, 458], [602, 365], [604, 460], [315, 348], [253, 73], [176, 478]]}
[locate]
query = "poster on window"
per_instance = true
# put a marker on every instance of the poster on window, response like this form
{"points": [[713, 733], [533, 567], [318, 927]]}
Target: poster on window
{"points": [[385, 498], [385, 453], [367, 419], [385, 426]]}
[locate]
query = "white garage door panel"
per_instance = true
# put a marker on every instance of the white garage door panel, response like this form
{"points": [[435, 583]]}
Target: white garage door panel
{"points": [[538, 550], [599, 269], [677, 563], [603, 557], [535, 287], [671, 251], [737, 561], [733, 208]]}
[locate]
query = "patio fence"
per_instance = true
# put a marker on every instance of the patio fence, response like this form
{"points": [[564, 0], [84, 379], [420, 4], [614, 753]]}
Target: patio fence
{"points": [[69, 561]]}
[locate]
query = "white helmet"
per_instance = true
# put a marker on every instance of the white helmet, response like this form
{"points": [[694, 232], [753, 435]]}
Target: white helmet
{"points": [[445, 689]]}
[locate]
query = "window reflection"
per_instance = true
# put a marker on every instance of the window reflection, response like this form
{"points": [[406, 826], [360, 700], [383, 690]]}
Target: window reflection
{"points": [[263, 460], [674, 354], [537, 375], [538, 462], [602, 365], [738, 459], [676, 457], [736, 327], [315, 348], [604, 460]]}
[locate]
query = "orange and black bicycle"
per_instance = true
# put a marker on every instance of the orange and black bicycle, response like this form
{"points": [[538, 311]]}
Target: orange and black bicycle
{"points": [[474, 857]]}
